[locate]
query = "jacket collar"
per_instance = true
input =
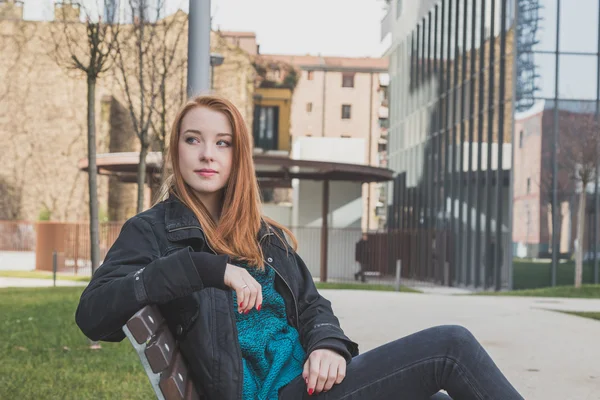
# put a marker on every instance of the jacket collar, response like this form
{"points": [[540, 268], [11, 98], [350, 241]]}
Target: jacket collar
{"points": [[178, 216], [182, 224]]}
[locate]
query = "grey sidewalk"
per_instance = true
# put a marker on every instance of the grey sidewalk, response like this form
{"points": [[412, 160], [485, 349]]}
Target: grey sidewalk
{"points": [[29, 282], [546, 355]]}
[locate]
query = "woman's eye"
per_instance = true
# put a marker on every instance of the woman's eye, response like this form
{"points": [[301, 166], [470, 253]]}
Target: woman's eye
{"points": [[223, 143], [191, 140]]}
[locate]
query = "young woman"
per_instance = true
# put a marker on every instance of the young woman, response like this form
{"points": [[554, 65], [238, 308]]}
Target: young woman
{"points": [[242, 303]]}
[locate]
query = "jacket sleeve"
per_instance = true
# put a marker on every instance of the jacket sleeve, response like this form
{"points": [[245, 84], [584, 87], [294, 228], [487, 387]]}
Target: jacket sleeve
{"points": [[134, 275], [319, 327]]}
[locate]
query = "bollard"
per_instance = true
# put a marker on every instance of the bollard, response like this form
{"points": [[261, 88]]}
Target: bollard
{"points": [[54, 265], [446, 273], [398, 273]]}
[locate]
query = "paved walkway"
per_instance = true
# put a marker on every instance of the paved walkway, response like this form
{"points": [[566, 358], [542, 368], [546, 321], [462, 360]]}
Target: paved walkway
{"points": [[546, 355], [29, 282]]}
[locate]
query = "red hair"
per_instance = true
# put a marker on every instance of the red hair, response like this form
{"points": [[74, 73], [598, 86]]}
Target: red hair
{"points": [[240, 221]]}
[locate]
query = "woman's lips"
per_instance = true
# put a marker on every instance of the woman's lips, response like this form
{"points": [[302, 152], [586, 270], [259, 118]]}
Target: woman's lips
{"points": [[206, 172]]}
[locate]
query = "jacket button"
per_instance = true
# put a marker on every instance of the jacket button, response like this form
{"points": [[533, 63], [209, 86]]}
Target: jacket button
{"points": [[269, 259], [179, 330]]}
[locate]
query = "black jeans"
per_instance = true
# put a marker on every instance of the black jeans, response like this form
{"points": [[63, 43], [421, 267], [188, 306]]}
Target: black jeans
{"points": [[416, 367]]}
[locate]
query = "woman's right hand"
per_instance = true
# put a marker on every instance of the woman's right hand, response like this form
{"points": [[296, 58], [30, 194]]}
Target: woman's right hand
{"points": [[247, 289]]}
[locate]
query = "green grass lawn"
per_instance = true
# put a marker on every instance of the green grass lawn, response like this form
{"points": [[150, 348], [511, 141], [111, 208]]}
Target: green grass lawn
{"points": [[42, 275], [45, 356], [532, 275], [592, 315], [363, 286], [586, 292], [327, 285]]}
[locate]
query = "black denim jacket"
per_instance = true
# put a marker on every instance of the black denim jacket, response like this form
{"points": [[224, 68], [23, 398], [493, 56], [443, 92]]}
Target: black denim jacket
{"points": [[151, 263]]}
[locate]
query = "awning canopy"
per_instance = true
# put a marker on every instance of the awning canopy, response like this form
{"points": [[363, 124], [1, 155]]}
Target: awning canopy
{"points": [[274, 170]]}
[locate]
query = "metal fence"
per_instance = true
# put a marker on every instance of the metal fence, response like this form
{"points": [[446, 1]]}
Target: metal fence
{"points": [[17, 236], [425, 256], [76, 251]]}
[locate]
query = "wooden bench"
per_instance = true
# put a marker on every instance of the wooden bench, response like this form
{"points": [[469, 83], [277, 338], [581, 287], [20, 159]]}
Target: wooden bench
{"points": [[160, 356]]}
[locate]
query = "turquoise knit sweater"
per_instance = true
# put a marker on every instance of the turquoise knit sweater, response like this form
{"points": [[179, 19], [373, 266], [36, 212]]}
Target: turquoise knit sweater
{"points": [[272, 355]]}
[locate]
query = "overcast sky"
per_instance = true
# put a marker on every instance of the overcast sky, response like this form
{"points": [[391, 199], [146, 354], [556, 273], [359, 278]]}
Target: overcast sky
{"points": [[327, 27]]}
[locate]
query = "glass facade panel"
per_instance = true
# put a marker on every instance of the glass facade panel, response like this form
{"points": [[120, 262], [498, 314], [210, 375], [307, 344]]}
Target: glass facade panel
{"points": [[578, 26], [577, 77], [545, 70], [545, 33], [455, 189]]}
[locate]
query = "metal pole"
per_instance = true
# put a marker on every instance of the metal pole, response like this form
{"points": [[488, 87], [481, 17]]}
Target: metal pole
{"points": [[398, 274], [555, 206], [509, 252], [198, 48], [500, 170], [54, 266], [324, 230], [596, 194]]}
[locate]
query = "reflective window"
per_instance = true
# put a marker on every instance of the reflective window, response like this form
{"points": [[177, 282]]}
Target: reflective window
{"points": [[398, 8], [579, 26], [577, 77], [546, 31], [545, 68]]}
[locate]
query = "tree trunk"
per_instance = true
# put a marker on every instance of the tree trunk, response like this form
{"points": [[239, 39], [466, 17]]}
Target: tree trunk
{"points": [[92, 175], [142, 174], [580, 233]]}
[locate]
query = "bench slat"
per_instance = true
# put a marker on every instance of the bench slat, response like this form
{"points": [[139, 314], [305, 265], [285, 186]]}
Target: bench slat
{"points": [[160, 350], [144, 323], [174, 380]]}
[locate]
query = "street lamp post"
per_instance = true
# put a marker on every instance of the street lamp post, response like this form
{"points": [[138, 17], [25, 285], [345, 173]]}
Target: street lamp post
{"points": [[198, 47]]}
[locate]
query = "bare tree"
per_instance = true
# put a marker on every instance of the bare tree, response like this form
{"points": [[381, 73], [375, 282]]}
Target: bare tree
{"points": [[565, 185], [86, 48], [580, 150], [145, 58], [15, 93], [172, 90]]}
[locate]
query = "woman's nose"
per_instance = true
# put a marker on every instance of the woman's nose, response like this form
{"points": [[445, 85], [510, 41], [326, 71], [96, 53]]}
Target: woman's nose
{"points": [[206, 153]]}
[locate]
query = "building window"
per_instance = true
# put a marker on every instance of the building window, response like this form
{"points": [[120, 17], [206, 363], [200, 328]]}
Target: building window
{"points": [[398, 8], [308, 107], [521, 139], [346, 111], [528, 185], [348, 79], [310, 75], [266, 127]]}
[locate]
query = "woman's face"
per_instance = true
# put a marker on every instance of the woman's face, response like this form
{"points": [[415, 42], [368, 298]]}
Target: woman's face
{"points": [[205, 150]]}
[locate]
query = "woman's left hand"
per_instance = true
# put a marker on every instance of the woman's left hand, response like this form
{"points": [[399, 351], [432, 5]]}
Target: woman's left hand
{"points": [[323, 369]]}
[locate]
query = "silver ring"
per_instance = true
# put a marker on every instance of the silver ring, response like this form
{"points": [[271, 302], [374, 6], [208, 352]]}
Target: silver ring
{"points": [[244, 287]]}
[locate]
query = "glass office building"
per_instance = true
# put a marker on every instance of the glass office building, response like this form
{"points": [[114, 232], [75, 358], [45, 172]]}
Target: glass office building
{"points": [[480, 89]]}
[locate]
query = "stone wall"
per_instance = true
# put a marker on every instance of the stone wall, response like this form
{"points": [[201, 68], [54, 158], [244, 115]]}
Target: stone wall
{"points": [[43, 124]]}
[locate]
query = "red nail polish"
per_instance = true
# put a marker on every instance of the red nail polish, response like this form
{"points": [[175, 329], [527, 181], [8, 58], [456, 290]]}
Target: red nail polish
{"points": [[310, 392], [246, 312], [259, 307], [241, 305]]}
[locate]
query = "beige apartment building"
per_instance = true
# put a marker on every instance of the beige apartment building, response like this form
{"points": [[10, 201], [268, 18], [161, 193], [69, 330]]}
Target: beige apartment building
{"points": [[340, 97]]}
